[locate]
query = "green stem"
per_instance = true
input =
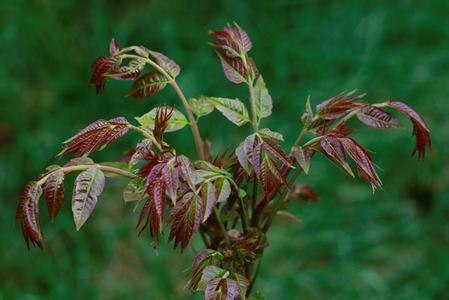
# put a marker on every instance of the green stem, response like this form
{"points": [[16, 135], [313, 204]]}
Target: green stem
{"points": [[256, 273], [146, 134], [193, 124], [107, 169], [220, 224], [252, 102], [243, 215]]}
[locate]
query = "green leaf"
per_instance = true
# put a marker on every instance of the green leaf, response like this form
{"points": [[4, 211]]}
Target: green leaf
{"points": [[264, 103], [148, 85], [133, 191], [88, 186], [302, 158], [233, 109], [201, 106], [209, 273], [265, 132], [177, 120]]}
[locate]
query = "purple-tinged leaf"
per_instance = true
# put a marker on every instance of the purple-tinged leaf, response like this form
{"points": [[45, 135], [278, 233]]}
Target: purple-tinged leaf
{"points": [[277, 152], [363, 161], [88, 186], [420, 130], [54, 192], [166, 63], [377, 117], [243, 152], [114, 47], [337, 106], [142, 150], [223, 190], [203, 258], [148, 85], [186, 218], [28, 214], [303, 157], [333, 149], [210, 200], [257, 160], [303, 192], [99, 133]]}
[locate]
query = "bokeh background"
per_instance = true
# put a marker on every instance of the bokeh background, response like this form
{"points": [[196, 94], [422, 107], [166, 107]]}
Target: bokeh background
{"points": [[351, 245]]}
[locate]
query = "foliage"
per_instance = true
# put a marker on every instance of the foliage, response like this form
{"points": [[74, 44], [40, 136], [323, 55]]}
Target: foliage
{"points": [[231, 198]]}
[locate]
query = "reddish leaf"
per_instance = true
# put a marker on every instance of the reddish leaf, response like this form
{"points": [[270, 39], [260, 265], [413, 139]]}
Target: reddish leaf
{"points": [[360, 156], [277, 152], [203, 258], [303, 157], [54, 192], [99, 133], [333, 149], [335, 107], [114, 47], [304, 193], [163, 116], [376, 117], [209, 194], [166, 63], [186, 217], [148, 85], [100, 68], [141, 151], [233, 40], [420, 130], [28, 214], [257, 160]]}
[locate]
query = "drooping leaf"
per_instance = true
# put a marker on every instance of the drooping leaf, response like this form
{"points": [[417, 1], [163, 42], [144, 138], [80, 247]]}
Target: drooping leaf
{"points": [[54, 192], [377, 117], [303, 192], [28, 214], [223, 190], [186, 218], [203, 258], [148, 85], [210, 272], [243, 152], [333, 149], [420, 130], [100, 68], [233, 109], [176, 121], [88, 186], [98, 134], [277, 152], [166, 63], [264, 103], [360, 156], [209, 194], [130, 71], [303, 157], [201, 106]]}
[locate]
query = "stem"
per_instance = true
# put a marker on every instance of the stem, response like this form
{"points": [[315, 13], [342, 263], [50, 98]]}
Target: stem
{"points": [[107, 169], [256, 273], [243, 215], [283, 197], [195, 131], [146, 134], [220, 224], [252, 101]]}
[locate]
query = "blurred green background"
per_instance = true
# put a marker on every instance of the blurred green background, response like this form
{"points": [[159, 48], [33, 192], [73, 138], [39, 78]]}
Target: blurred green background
{"points": [[351, 245]]}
